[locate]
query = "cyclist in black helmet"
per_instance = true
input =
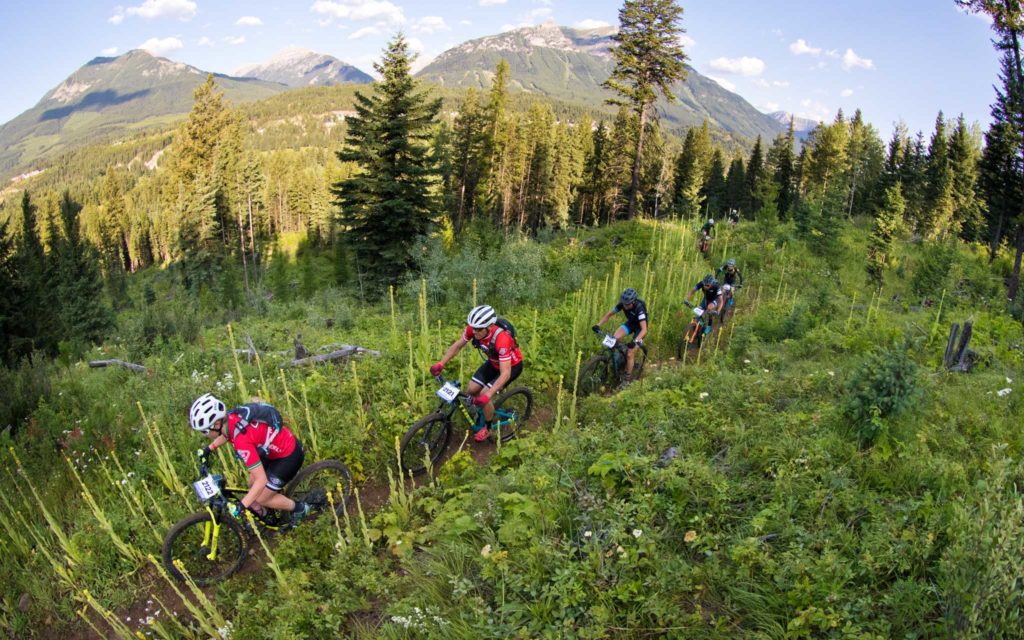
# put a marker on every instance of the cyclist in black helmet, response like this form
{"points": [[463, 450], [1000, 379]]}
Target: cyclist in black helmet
{"points": [[635, 325], [712, 291]]}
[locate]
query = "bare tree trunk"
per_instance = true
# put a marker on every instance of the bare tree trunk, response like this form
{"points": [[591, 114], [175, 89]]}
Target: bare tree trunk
{"points": [[241, 245], [634, 185]]}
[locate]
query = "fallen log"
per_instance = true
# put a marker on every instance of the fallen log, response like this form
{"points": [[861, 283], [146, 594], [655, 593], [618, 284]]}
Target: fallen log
{"points": [[346, 351], [98, 364]]}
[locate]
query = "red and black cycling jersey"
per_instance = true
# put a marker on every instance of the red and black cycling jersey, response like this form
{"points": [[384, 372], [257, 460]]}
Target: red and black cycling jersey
{"points": [[246, 438], [709, 295], [634, 315], [498, 345]]}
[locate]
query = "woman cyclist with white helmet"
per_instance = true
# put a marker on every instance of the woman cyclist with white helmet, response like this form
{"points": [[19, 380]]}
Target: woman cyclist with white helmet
{"points": [[268, 449], [503, 362]]}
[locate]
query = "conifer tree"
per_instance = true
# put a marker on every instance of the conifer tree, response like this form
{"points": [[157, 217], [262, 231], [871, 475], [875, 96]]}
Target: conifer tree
{"points": [[963, 164], [387, 205], [755, 173], [735, 186], [83, 313], [648, 60], [937, 213], [471, 137], [782, 160], [32, 290], [713, 191], [888, 222], [11, 299], [691, 165]]}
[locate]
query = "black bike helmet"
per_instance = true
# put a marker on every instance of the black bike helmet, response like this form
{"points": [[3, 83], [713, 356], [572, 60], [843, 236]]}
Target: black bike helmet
{"points": [[731, 262], [628, 296], [708, 280]]}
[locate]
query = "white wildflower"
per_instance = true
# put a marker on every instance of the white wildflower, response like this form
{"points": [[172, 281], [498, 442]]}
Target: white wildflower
{"points": [[637, 533], [225, 631], [486, 551], [746, 362], [832, 373], [587, 534], [1003, 392], [1009, 381], [704, 394]]}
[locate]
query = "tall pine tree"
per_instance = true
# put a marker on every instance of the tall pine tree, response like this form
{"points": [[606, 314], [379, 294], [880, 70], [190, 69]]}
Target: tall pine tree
{"points": [[387, 205], [648, 60], [83, 313]]}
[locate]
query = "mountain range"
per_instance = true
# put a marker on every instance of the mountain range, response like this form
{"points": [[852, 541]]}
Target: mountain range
{"points": [[112, 97]]}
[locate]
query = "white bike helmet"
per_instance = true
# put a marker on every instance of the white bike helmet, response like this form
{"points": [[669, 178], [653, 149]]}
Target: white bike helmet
{"points": [[205, 411], [481, 317], [711, 221]]}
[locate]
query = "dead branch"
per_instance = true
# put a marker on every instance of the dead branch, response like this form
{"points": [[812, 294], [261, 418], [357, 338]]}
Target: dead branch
{"points": [[97, 364], [346, 351]]}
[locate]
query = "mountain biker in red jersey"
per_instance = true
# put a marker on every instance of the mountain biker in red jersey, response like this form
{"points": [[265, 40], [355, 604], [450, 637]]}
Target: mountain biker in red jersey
{"points": [[269, 450], [503, 364]]}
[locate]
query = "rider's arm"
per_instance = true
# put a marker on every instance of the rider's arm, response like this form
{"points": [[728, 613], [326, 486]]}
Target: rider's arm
{"points": [[605, 317], [217, 442], [257, 482], [739, 277], [643, 330], [454, 349], [504, 373]]}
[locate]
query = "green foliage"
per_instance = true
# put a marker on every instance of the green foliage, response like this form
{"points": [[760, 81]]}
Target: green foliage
{"points": [[883, 386], [888, 223]]}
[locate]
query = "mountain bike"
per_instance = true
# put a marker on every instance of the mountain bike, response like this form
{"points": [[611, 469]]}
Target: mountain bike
{"points": [[698, 328], [212, 544], [607, 371], [430, 435], [728, 299], [702, 244]]}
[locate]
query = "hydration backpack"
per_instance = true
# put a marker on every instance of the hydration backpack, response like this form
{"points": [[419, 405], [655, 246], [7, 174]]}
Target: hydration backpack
{"points": [[503, 325], [259, 412]]}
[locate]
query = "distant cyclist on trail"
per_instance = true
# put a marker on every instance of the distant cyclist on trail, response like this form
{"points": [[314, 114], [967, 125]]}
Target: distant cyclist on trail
{"points": [[268, 449], [707, 232], [712, 291], [495, 337], [731, 275], [635, 325]]}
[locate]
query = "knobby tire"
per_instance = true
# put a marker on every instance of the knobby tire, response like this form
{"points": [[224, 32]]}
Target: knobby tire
{"points": [[431, 432], [314, 482], [183, 543], [520, 401]]}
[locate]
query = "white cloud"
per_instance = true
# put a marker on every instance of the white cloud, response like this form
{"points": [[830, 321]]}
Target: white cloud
{"points": [[761, 82], [590, 23], [235, 39], [249, 21], [814, 110], [687, 41], [846, 93], [769, 107], [491, 3], [160, 46], [380, 10], [465, 23], [205, 42], [508, 26], [109, 51], [745, 66], [429, 24], [832, 53], [415, 45], [364, 32], [725, 84], [117, 18], [851, 61], [780, 83], [181, 9], [801, 48]]}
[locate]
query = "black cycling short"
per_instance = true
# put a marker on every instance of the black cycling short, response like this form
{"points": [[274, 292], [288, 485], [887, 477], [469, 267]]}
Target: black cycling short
{"points": [[281, 471], [488, 373]]}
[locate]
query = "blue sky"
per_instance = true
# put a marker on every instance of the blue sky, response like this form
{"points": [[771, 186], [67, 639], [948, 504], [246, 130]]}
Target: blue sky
{"points": [[894, 59]]}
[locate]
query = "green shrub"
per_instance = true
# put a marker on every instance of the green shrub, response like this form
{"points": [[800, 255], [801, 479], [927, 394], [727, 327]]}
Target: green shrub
{"points": [[882, 387]]}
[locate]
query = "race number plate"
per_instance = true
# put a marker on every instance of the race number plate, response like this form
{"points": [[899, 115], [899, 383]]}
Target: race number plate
{"points": [[697, 312], [448, 392], [206, 488], [609, 341]]}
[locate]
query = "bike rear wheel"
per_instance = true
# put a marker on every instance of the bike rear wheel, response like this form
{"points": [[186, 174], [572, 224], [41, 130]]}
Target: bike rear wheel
{"points": [[319, 480], [511, 410], [595, 376], [429, 436], [639, 360], [184, 543]]}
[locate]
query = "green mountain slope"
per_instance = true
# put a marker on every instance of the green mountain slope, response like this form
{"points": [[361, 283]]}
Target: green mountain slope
{"points": [[110, 97], [571, 64]]}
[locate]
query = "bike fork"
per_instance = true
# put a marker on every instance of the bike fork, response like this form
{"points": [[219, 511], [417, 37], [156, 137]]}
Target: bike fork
{"points": [[211, 533]]}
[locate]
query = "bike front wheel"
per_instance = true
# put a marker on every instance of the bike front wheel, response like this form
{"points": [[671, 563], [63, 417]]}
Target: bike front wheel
{"points": [[322, 484], [428, 437], [511, 410], [595, 376], [206, 555]]}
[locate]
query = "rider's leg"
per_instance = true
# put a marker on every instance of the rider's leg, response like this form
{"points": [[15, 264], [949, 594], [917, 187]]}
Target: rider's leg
{"points": [[279, 473], [274, 500]]}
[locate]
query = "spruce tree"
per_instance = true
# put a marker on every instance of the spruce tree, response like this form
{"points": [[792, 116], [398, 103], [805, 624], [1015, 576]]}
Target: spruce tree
{"points": [[754, 176], [963, 163], [387, 205], [34, 294], [648, 59], [888, 222], [713, 191], [470, 153], [937, 214], [11, 299], [83, 313], [735, 186], [782, 161], [691, 165]]}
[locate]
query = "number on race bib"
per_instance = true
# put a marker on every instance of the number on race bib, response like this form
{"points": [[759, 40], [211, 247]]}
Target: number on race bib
{"points": [[609, 341], [206, 488], [698, 312], [448, 392]]}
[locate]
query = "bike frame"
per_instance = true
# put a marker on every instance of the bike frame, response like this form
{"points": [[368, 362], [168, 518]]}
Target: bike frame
{"points": [[217, 507], [461, 402]]}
